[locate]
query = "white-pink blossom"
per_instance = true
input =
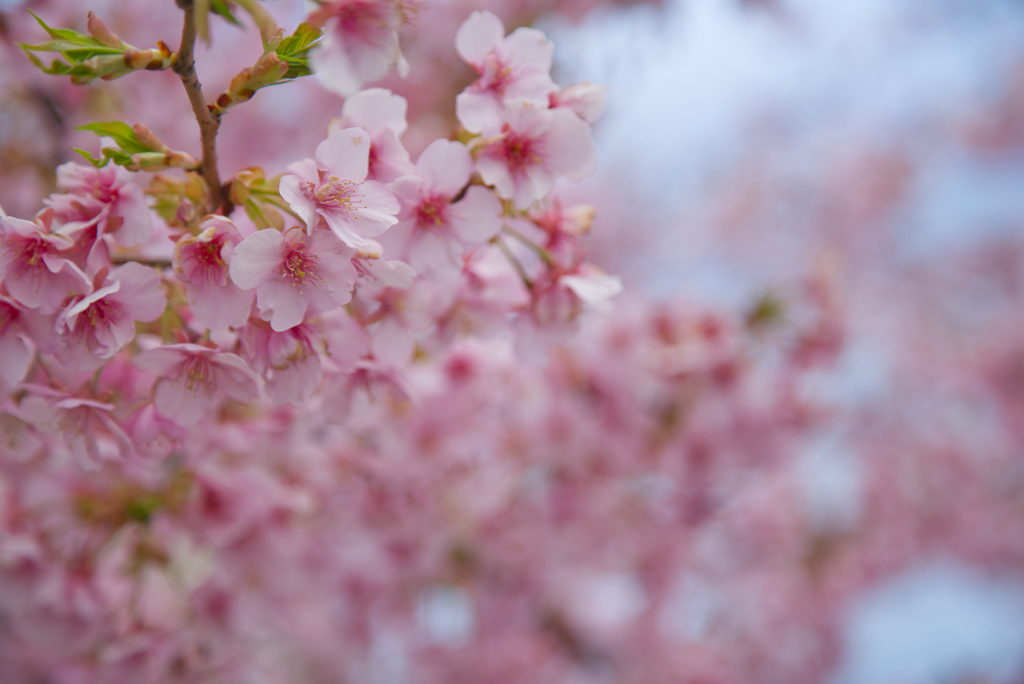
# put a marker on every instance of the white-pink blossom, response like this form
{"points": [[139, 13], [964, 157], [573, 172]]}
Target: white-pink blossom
{"points": [[194, 379], [293, 272], [533, 148], [94, 327], [85, 425], [380, 113], [287, 361], [201, 262], [333, 187], [33, 266], [360, 42], [104, 196], [432, 228], [512, 67]]}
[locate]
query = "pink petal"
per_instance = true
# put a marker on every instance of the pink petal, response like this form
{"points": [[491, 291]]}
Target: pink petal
{"points": [[295, 384], [15, 357], [569, 146], [333, 67], [374, 109], [392, 343], [131, 208], [161, 360], [140, 293], [281, 303], [479, 112], [174, 400], [476, 218], [256, 257], [234, 378], [291, 189], [478, 35], [445, 166], [530, 49], [346, 154], [216, 307], [391, 158]]}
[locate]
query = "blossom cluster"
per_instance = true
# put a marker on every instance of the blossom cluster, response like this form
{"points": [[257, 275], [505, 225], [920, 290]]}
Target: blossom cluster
{"points": [[378, 420]]}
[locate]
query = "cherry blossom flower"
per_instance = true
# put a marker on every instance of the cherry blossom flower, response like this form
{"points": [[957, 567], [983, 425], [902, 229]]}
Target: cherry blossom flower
{"points": [[31, 265], [85, 426], [201, 262], [153, 435], [432, 228], [381, 114], [360, 42], [194, 379], [286, 361], [513, 67], [293, 272], [532, 149], [334, 188], [94, 327], [489, 291], [105, 197]]}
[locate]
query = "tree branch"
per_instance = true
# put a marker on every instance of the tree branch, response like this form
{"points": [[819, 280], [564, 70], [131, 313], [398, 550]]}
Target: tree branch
{"points": [[185, 67]]}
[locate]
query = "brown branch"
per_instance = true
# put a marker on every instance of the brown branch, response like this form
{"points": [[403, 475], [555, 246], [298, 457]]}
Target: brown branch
{"points": [[185, 67]]}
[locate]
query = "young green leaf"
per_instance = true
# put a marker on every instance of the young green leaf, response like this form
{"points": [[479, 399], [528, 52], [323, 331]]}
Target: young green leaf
{"points": [[294, 50]]}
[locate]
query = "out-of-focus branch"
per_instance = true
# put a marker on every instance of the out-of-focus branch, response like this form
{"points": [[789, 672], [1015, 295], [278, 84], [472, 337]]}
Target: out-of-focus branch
{"points": [[209, 122]]}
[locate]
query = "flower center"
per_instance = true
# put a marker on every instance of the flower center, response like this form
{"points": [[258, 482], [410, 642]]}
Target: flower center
{"points": [[432, 213], [520, 152], [197, 373], [100, 314], [209, 265], [299, 267], [30, 251], [336, 194], [497, 75]]}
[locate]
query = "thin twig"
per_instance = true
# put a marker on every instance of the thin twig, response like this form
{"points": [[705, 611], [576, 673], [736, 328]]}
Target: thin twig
{"points": [[544, 254], [156, 263], [185, 67], [512, 260]]}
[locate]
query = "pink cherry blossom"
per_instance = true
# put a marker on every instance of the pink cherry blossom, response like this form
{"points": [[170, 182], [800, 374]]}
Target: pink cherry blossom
{"points": [[201, 262], [104, 196], [513, 67], [84, 425], [153, 435], [360, 42], [287, 361], [194, 379], [334, 188], [489, 291], [432, 228], [32, 266], [94, 327], [293, 272], [381, 114], [532, 149]]}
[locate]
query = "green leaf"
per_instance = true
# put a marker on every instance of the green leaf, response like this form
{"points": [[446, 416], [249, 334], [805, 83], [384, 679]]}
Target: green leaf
{"points": [[223, 9], [294, 50], [121, 132], [91, 159]]}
